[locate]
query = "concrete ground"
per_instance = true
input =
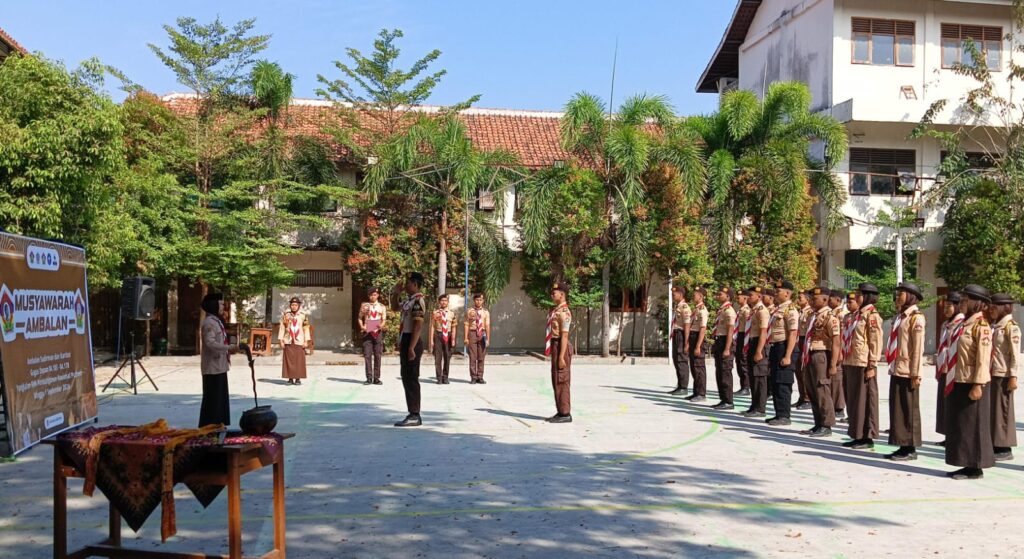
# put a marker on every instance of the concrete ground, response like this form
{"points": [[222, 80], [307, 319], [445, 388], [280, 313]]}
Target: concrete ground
{"points": [[638, 474]]}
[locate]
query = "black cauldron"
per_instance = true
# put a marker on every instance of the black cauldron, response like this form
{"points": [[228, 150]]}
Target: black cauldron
{"points": [[261, 419]]}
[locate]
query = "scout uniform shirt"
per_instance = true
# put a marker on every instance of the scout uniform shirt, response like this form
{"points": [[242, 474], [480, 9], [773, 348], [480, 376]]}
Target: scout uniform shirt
{"points": [[783, 320], [974, 352], [742, 315], [373, 316], [805, 320], [908, 338], [759, 318], [699, 319], [725, 321], [683, 316], [413, 311], [1005, 344], [294, 328], [442, 321], [559, 322], [862, 338], [840, 312], [478, 321], [823, 328]]}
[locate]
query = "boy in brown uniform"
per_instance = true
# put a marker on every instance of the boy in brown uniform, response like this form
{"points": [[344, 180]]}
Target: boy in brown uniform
{"points": [[903, 352], [803, 383], [372, 318], [821, 358], [1005, 345], [561, 350], [742, 367], [441, 339], [723, 350], [969, 407], [410, 348], [478, 333], [698, 330], [783, 326], [756, 350], [681, 340], [837, 301], [862, 349]]}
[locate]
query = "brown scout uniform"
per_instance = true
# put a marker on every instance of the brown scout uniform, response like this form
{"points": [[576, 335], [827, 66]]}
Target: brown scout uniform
{"points": [[373, 342], [742, 367], [823, 328], [413, 310], [838, 384], [803, 375], [904, 400], [969, 422], [559, 322], [1005, 344], [864, 353], [785, 319], [725, 321], [698, 365], [477, 322], [680, 359], [442, 323], [759, 318]]}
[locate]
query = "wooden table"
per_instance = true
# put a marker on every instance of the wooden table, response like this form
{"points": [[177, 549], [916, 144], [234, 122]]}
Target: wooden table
{"points": [[239, 459]]}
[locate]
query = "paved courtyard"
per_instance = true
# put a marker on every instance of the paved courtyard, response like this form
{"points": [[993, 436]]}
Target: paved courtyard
{"points": [[638, 474]]}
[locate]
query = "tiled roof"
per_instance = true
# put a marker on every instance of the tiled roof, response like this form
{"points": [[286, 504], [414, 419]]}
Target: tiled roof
{"points": [[10, 41], [533, 136]]}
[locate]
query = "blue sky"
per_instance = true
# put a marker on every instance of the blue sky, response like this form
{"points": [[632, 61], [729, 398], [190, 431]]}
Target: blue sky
{"points": [[516, 54]]}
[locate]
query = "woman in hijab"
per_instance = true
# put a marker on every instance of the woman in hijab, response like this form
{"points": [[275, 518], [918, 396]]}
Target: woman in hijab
{"points": [[214, 363], [294, 337]]}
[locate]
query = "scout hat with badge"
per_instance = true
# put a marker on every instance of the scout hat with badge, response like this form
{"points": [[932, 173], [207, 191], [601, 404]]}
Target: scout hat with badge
{"points": [[867, 288], [977, 293], [1002, 299], [561, 286], [914, 290]]}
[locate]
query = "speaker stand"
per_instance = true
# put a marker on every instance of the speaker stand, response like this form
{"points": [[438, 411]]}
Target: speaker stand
{"points": [[130, 361]]}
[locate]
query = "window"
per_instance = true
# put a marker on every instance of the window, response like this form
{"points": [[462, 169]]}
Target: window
{"points": [[877, 171], [874, 261], [883, 42], [975, 159], [313, 206], [626, 300], [318, 278], [988, 40]]}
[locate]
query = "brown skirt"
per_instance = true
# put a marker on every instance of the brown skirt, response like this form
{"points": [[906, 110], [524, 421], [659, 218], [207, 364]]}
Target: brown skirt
{"points": [[904, 413], [293, 363], [861, 403], [940, 407], [968, 428], [1004, 422]]}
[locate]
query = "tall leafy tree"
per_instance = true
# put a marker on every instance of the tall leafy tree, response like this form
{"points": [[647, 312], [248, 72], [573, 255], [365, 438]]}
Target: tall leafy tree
{"points": [[621, 149]]}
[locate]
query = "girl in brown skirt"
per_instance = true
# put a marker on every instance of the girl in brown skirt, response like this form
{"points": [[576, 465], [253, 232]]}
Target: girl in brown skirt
{"points": [[294, 337], [945, 367], [862, 350], [1005, 344], [969, 407]]}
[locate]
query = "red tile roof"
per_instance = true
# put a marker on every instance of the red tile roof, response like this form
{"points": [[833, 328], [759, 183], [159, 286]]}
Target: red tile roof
{"points": [[533, 136], [10, 41]]}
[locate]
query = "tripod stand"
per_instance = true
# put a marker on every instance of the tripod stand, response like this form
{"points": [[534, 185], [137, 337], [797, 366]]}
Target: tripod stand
{"points": [[130, 361]]}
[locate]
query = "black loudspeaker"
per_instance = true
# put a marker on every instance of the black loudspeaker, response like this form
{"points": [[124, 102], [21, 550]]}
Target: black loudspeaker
{"points": [[138, 298]]}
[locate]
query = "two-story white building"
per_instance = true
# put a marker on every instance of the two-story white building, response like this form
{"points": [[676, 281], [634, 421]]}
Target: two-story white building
{"points": [[877, 66]]}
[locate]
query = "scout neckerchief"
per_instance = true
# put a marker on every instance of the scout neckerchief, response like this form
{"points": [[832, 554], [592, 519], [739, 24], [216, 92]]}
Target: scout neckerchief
{"points": [[443, 315], [945, 341], [848, 331], [891, 349], [805, 356], [954, 350], [294, 326], [479, 322], [548, 342], [746, 328], [373, 314]]}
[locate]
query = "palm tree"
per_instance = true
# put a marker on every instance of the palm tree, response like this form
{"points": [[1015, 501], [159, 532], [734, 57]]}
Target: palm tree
{"points": [[758, 158], [434, 162], [623, 148]]}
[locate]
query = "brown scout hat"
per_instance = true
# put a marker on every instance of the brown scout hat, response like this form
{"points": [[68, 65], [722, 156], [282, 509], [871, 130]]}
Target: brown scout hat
{"points": [[560, 286]]}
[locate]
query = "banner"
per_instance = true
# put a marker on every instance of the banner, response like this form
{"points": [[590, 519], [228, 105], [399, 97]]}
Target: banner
{"points": [[45, 341]]}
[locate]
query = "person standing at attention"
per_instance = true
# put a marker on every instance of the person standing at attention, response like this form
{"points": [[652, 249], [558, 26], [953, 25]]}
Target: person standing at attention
{"points": [[294, 337], [410, 348], [478, 335]]}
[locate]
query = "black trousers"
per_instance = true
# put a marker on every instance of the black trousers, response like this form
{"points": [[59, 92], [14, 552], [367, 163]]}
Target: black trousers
{"points": [[723, 369], [216, 406], [373, 349], [698, 367], [780, 382], [758, 378], [442, 356], [680, 359], [742, 368], [410, 369]]}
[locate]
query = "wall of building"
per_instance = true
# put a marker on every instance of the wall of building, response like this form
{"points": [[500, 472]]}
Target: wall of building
{"points": [[790, 40], [875, 91]]}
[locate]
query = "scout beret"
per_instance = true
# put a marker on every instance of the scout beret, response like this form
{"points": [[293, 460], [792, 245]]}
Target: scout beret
{"points": [[851, 295], [416, 277], [726, 290], [560, 286], [769, 292], [835, 293], [953, 297], [1002, 299], [868, 288], [373, 290], [295, 300], [783, 284], [679, 289], [977, 292], [818, 291], [913, 289], [755, 291], [700, 289]]}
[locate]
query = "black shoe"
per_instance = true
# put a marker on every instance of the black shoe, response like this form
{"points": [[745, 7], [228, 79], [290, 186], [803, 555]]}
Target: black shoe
{"points": [[377, 382], [560, 419], [367, 382], [410, 421], [678, 391], [803, 406], [863, 444], [445, 381], [840, 415], [1004, 455], [751, 413], [722, 406], [809, 431], [850, 443], [902, 455], [472, 381], [821, 432], [697, 399], [290, 381], [742, 392], [800, 402], [776, 421], [967, 473], [439, 381], [297, 382], [481, 381], [941, 443]]}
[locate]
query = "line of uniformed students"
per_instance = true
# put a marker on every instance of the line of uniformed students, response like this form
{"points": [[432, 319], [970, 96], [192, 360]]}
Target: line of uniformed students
{"points": [[831, 343]]}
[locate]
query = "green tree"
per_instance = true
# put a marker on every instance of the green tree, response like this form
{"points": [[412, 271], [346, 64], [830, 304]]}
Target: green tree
{"points": [[622, 149], [761, 175], [62, 143]]}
